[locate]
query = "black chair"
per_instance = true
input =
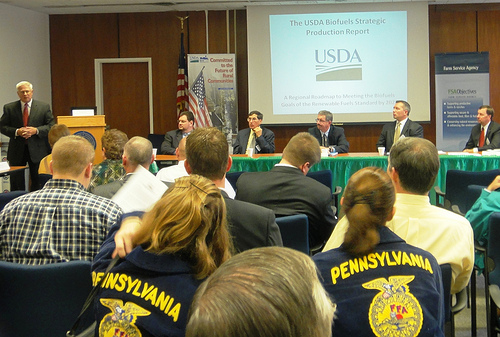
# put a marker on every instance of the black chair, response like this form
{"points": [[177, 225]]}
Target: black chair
{"points": [[156, 140], [42, 300], [295, 232], [326, 178], [7, 197], [233, 177], [457, 182], [451, 309], [43, 178], [492, 274]]}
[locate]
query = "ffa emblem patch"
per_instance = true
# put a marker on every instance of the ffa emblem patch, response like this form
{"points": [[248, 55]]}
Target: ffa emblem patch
{"points": [[121, 320], [394, 311]]}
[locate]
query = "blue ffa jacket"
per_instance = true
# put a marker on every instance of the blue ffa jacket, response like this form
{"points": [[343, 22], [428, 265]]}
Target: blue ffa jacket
{"points": [[394, 291], [145, 294]]}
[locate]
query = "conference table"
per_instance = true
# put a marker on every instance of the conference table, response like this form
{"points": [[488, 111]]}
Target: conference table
{"points": [[345, 164], [12, 169]]}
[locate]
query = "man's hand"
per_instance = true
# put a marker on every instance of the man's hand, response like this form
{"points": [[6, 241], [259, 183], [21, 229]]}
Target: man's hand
{"points": [[494, 184], [258, 131], [124, 238], [468, 150], [26, 132]]}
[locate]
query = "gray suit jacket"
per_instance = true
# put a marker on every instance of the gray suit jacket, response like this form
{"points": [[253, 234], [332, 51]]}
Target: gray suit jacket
{"points": [[411, 129], [171, 142], [263, 144], [110, 189], [491, 139], [12, 119]]}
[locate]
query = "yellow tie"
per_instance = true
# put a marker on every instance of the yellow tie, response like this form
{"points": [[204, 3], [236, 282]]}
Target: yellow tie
{"points": [[397, 132], [251, 140]]}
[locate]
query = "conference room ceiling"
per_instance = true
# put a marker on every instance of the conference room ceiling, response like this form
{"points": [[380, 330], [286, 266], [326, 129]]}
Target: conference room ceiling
{"points": [[126, 6]]}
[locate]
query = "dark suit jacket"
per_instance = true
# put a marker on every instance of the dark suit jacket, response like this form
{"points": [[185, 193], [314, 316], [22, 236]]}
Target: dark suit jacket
{"points": [[171, 141], [287, 191], [12, 119], [251, 226], [411, 129], [110, 189], [336, 137], [491, 140], [263, 144]]}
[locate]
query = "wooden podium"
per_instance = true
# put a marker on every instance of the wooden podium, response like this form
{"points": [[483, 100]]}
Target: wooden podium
{"points": [[90, 127]]}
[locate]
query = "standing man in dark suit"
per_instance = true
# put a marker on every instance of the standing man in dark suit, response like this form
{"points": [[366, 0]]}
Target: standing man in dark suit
{"points": [[172, 138], [486, 134], [401, 127], [287, 191], [27, 122], [258, 138], [328, 135]]}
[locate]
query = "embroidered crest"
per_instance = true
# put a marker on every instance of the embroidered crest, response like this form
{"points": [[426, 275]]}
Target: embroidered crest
{"points": [[121, 320], [394, 311]]}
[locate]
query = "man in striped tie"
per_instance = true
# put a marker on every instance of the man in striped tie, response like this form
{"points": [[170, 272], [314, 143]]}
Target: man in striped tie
{"points": [[486, 134]]}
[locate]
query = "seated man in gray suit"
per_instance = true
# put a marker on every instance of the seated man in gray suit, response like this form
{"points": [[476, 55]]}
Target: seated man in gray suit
{"points": [[172, 138], [401, 127], [137, 151], [257, 138], [287, 191], [486, 134], [328, 135]]}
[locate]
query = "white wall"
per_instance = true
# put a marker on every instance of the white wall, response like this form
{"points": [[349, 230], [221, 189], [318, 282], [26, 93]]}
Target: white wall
{"points": [[24, 53]]}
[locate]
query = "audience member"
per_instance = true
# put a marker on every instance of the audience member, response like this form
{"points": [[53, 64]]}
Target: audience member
{"points": [[258, 139], [400, 128], [60, 222], [486, 134], [479, 215], [328, 135], [181, 241], [379, 282], [172, 138], [413, 167], [170, 173], [27, 123], [250, 225], [111, 168], [137, 151], [263, 292], [56, 131], [286, 190]]}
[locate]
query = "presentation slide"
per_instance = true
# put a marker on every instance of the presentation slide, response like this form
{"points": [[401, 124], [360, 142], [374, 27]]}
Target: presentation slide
{"points": [[352, 60]]}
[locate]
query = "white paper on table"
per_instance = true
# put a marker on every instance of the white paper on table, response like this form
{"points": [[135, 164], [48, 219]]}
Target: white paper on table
{"points": [[141, 191]]}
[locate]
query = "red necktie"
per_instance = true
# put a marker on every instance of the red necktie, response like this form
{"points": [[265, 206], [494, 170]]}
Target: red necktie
{"points": [[25, 114], [481, 137]]}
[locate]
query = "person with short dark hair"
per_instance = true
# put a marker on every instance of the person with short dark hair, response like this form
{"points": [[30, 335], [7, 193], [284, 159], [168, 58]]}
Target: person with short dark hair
{"points": [[257, 138], [379, 282], [185, 124], [61, 222], [286, 190], [263, 292], [27, 123], [413, 167], [56, 131], [485, 135], [327, 135], [402, 127]]}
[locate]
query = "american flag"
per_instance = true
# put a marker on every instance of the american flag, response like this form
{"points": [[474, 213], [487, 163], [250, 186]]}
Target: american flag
{"points": [[182, 82], [198, 102]]}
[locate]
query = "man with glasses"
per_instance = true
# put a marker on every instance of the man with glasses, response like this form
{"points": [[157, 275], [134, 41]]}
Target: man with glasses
{"points": [[172, 138], [255, 139], [329, 136]]}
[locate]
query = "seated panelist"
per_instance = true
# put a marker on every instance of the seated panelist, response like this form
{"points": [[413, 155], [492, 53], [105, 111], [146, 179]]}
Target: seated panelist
{"points": [[329, 135], [486, 134], [258, 138]]}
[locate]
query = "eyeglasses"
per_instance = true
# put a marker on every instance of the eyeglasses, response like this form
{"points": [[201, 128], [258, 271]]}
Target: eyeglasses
{"points": [[320, 120], [252, 119]]}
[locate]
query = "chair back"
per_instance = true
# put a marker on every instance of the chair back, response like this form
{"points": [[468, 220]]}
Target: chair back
{"points": [[324, 176], [156, 140], [233, 177], [457, 182], [43, 178], [493, 249], [446, 277], [7, 197], [42, 300], [295, 232]]}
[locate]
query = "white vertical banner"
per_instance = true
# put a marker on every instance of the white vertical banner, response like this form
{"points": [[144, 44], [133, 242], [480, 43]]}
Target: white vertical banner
{"points": [[462, 86], [212, 91]]}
